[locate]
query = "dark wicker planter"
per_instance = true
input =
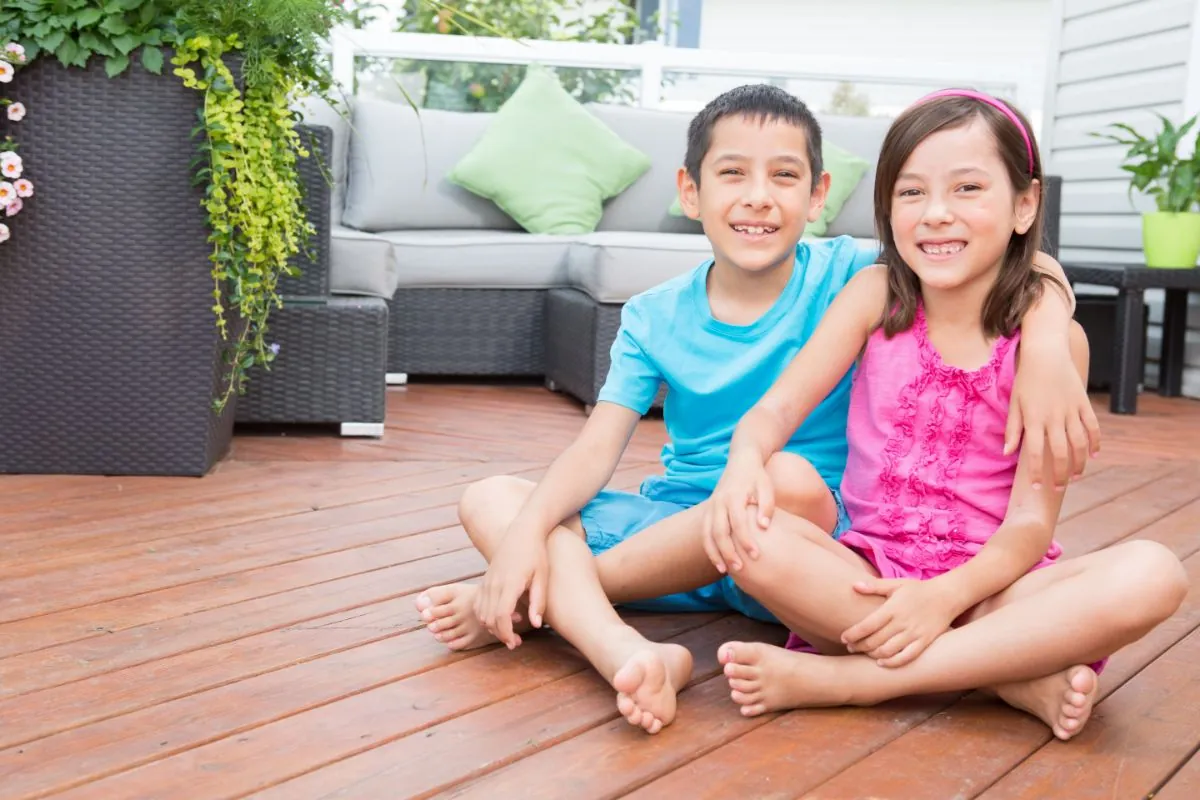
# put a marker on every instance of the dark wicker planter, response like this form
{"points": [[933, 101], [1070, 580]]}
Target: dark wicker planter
{"points": [[108, 346]]}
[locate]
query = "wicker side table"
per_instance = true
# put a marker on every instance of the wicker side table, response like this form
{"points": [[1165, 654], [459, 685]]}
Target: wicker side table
{"points": [[1129, 347]]}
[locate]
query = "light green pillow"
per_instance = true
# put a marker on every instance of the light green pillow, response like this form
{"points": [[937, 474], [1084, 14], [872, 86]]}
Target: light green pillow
{"points": [[547, 162], [845, 170]]}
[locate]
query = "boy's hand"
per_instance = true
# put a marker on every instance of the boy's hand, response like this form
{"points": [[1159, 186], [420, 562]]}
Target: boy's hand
{"points": [[1050, 403], [915, 613], [729, 524], [520, 563]]}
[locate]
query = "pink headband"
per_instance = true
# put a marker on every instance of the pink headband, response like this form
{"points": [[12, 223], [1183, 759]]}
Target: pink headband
{"points": [[995, 103]]}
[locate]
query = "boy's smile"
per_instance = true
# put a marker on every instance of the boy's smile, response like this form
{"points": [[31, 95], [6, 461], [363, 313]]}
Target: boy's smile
{"points": [[755, 193]]}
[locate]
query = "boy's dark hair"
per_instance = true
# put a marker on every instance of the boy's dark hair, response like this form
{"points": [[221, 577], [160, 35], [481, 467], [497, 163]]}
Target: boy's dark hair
{"points": [[1019, 283], [760, 102]]}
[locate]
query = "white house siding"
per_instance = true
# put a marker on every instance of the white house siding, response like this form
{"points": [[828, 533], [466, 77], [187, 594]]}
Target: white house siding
{"points": [[1117, 61]]}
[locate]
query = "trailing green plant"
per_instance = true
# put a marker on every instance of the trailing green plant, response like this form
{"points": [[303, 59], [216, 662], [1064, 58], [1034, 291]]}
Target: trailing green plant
{"points": [[1157, 169], [247, 144]]}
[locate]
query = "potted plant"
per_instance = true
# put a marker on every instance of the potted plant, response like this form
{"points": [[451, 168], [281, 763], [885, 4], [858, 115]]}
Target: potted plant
{"points": [[136, 297], [1170, 234]]}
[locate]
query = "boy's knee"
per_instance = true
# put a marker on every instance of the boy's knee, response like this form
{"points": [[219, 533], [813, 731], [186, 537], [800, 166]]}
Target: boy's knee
{"points": [[780, 548], [484, 501], [800, 490]]}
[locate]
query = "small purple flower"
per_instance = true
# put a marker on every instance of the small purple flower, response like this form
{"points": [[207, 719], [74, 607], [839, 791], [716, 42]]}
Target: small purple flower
{"points": [[274, 348]]}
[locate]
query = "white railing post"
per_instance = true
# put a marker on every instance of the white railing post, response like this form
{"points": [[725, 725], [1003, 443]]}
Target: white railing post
{"points": [[343, 60], [650, 95]]}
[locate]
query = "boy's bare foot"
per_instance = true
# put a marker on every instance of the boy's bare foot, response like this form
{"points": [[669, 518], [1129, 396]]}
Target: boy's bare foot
{"points": [[449, 614], [764, 678], [648, 682], [1062, 700]]}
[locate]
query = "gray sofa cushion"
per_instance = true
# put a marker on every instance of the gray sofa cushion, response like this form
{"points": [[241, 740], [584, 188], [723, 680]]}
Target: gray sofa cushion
{"points": [[863, 137], [397, 168], [612, 266], [662, 135], [360, 263], [479, 259]]}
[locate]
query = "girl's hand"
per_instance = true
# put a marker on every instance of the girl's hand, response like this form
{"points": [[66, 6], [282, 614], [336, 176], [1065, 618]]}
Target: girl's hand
{"points": [[519, 565], [1050, 404], [743, 500], [915, 613]]}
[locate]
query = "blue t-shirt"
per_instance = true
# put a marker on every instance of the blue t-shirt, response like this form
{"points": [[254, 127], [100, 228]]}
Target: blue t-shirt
{"points": [[715, 372]]}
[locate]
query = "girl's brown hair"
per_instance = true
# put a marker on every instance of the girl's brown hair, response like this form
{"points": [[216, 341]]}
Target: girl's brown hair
{"points": [[1019, 284]]}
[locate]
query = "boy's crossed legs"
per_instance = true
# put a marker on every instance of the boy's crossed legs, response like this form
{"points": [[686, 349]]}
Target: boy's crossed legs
{"points": [[1028, 644], [582, 590]]}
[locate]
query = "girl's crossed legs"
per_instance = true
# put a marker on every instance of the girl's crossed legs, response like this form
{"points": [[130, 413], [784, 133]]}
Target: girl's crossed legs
{"points": [[1028, 644]]}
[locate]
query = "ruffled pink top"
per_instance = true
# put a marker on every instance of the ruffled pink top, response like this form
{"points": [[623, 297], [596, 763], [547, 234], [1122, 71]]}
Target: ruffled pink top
{"points": [[927, 482]]}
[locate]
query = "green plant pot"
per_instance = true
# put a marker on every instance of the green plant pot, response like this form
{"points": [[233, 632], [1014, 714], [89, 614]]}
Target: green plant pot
{"points": [[1171, 239]]}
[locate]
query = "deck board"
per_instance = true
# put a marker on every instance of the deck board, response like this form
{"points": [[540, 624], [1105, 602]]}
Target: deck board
{"points": [[252, 633]]}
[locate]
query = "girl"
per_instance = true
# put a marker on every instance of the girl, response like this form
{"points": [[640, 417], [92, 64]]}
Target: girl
{"points": [[949, 578]]}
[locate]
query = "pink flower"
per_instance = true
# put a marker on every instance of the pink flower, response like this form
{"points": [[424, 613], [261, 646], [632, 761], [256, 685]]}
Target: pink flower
{"points": [[10, 165], [24, 187], [6, 72], [16, 112], [14, 207], [8, 193], [4, 234], [16, 51]]}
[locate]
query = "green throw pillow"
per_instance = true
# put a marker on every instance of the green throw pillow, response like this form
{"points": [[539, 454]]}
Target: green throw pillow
{"points": [[547, 162], [845, 171]]}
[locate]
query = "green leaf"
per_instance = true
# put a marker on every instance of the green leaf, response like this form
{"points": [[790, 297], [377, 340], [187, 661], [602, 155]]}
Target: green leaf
{"points": [[88, 17], [126, 43], [152, 59], [69, 53], [114, 25], [115, 65], [146, 14], [91, 41], [52, 41]]}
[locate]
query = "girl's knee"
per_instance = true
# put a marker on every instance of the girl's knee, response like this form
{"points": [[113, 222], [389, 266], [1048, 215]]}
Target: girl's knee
{"points": [[1152, 580], [1154, 568]]}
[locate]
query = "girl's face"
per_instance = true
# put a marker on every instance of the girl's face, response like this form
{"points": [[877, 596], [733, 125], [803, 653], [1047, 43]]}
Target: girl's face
{"points": [[954, 209]]}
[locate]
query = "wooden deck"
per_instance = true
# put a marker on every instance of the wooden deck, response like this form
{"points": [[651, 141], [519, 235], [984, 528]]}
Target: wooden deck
{"points": [[253, 633]]}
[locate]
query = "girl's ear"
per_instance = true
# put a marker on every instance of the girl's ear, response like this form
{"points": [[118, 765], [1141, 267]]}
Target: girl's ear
{"points": [[1027, 206]]}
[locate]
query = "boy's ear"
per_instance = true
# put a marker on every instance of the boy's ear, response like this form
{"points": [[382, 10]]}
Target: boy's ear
{"points": [[689, 194], [820, 193], [1027, 206]]}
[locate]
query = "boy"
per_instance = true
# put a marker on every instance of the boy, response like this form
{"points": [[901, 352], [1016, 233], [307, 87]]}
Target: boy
{"points": [[719, 336]]}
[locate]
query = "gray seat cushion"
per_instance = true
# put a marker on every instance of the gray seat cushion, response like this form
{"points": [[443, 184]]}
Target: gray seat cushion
{"points": [[612, 266], [398, 164], [360, 263], [479, 259]]}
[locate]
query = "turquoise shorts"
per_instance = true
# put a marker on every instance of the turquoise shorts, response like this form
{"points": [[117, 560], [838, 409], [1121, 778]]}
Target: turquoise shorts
{"points": [[612, 517]]}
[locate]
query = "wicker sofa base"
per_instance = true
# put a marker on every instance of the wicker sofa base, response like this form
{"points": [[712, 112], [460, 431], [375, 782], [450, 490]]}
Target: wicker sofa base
{"points": [[482, 332], [579, 338], [330, 368]]}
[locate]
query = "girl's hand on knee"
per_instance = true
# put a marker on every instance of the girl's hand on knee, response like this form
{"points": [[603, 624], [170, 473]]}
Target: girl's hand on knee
{"points": [[741, 506], [915, 613]]}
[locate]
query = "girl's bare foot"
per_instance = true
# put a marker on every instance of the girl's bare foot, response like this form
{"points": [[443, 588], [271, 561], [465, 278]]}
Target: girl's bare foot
{"points": [[764, 678], [648, 683], [1062, 700], [449, 614]]}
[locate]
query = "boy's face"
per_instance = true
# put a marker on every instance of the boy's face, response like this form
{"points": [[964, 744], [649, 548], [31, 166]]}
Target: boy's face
{"points": [[756, 192]]}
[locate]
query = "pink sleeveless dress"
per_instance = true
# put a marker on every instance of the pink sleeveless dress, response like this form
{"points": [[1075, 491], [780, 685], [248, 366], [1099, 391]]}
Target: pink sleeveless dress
{"points": [[926, 482]]}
